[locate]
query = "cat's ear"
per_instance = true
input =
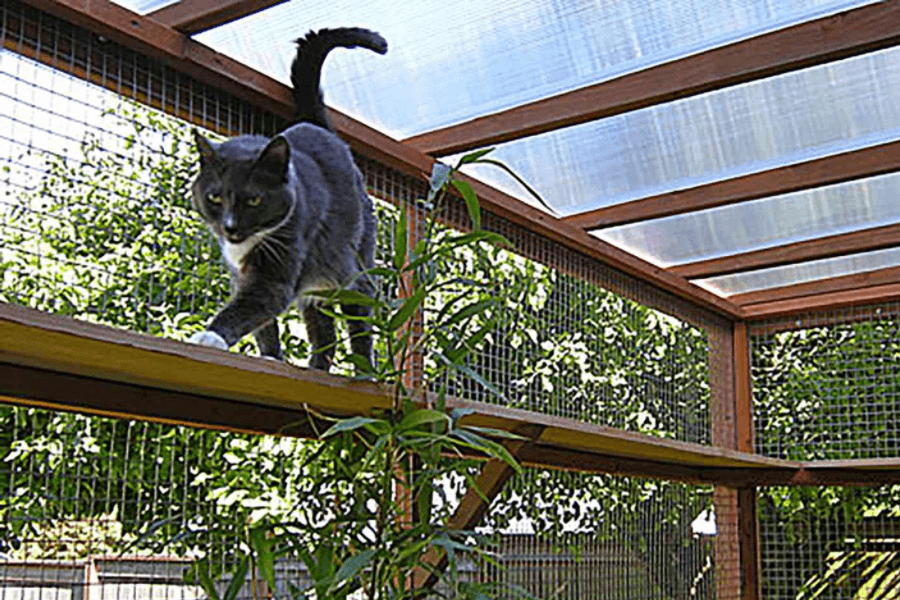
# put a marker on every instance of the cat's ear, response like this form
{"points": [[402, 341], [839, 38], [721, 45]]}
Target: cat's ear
{"points": [[205, 148], [275, 157]]}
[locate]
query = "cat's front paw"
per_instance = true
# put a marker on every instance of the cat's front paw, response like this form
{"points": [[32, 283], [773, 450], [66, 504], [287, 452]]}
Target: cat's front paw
{"points": [[208, 338]]}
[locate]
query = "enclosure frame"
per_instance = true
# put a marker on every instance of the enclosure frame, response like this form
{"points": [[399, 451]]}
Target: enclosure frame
{"points": [[53, 362]]}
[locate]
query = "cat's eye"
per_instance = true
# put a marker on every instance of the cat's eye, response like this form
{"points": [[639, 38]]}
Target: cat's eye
{"points": [[214, 199], [255, 201]]}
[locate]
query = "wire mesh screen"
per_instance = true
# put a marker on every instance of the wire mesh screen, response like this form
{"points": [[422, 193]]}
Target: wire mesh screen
{"points": [[114, 508], [826, 386], [830, 543], [95, 223], [577, 339], [572, 536], [110, 508]]}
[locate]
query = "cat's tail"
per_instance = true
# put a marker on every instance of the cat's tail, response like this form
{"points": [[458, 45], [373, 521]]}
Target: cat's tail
{"points": [[306, 70]]}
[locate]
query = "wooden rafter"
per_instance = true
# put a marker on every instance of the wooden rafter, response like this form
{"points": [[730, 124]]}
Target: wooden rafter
{"points": [[195, 16], [843, 283], [865, 240], [156, 40], [823, 40], [865, 296], [830, 170]]}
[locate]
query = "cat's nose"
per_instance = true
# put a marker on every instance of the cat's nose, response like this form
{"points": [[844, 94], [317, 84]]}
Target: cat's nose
{"points": [[229, 225]]}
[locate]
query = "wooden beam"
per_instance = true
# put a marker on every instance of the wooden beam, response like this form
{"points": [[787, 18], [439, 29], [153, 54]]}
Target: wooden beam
{"points": [[195, 16], [39, 340], [164, 372], [849, 33], [819, 287], [186, 55], [58, 363], [856, 297], [830, 170], [51, 390], [865, 240], [474, 504]]}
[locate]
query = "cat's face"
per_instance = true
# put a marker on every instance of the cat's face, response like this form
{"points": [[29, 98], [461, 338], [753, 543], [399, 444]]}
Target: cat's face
{"points": [[239, 195]]}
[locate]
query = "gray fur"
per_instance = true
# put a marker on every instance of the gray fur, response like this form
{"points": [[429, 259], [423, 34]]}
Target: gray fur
{"points": [[291, 215]]}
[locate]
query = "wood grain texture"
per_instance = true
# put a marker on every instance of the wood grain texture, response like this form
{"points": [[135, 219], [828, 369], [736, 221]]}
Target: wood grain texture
{"points": [[823, 40], [195, 16], [865, 240], [61, 364], [830, 170]]}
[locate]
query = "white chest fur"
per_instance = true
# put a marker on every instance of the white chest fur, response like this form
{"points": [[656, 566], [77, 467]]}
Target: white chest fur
{"points": [[236, 254]]}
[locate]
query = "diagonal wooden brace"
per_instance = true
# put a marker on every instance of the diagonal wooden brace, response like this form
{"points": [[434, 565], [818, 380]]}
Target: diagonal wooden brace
{"points": [[475, 503]]}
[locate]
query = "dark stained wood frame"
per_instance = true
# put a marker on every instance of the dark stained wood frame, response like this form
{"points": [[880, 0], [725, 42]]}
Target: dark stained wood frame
{"points": [[823, 40], [195, 16], [832, 246], [878, 278], [829, 170], [862, 297]]}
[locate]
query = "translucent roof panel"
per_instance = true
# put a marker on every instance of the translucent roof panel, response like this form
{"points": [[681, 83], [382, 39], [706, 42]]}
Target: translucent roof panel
{"points": [[741, 283], [142, 7], [736, 131], [762, 223], [452, 61]]}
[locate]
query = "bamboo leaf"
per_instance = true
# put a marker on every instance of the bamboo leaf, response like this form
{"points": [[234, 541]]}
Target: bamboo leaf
{"points": [[471, 200], [400, 239], [406, 310], [353, 565]]}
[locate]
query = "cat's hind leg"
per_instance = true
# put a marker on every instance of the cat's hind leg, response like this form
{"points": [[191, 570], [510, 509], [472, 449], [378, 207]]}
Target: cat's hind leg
{"points": [[267, 339], [320, 330]]}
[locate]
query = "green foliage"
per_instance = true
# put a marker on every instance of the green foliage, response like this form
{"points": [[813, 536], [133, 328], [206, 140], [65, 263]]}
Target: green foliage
{"points": [[106, 234]]}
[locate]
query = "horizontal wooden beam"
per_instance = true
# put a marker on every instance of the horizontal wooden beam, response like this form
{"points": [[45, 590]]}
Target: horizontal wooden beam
{"points": [[801, 474], [164, 373], [819, 287], [830, 170], [850, 33], [52, 390], [861, 297], [195, 16], [865, 240], [58, 363], [155, 40]]}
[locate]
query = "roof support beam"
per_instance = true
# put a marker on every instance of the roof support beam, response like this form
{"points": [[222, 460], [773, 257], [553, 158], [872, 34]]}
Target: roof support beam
{"points": [[836, 37], [840, 299], [195, 16], [158, 41], [843, 283], [830, 170], [865, 240]]}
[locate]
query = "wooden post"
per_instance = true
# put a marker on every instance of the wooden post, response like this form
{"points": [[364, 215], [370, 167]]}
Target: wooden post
{"points": [[748, 517], [737, 540]]}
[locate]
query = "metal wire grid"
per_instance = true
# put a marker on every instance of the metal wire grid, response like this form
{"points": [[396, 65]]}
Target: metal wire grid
{"points": [[590, 354], [120, 509], [830, 543], [672, 398], [826, 385], [617, 538], [586, 342]]}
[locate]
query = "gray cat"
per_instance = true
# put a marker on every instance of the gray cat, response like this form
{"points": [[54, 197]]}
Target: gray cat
{"points": [[291, 215]]}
